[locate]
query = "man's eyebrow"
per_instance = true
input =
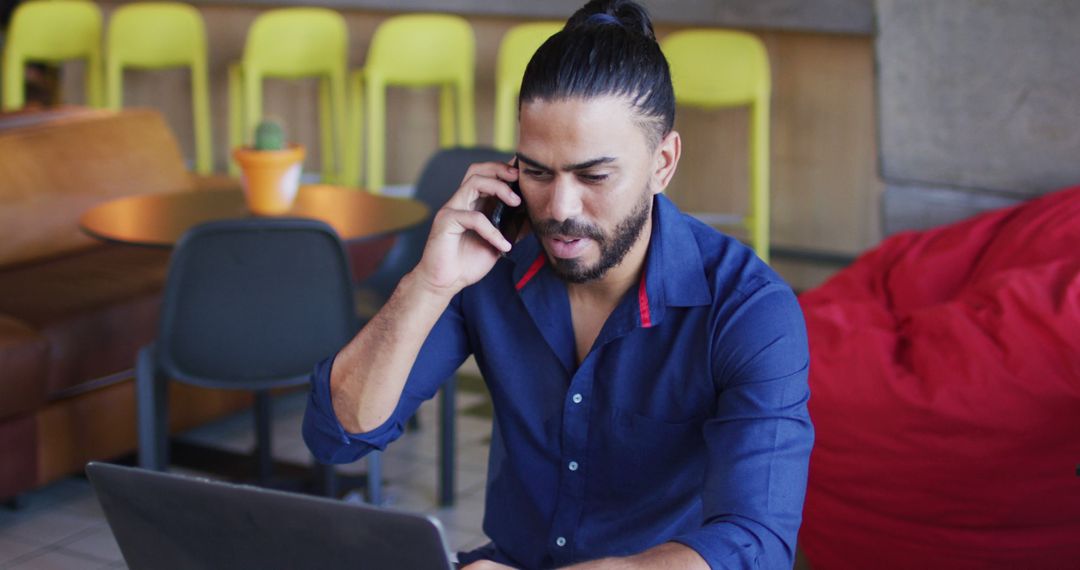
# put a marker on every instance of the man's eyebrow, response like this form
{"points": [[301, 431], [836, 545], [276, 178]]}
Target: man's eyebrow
{"points": [[533, 163], [589, 163], [569, 167]]}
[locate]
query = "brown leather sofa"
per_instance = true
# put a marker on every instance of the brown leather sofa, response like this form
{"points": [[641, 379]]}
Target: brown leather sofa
{"points": [[73, 311]]}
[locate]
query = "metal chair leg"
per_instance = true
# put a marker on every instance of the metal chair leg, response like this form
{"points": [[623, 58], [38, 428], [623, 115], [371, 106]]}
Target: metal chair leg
{"points": [[374, 478], [152, 407], [264, 456], [447, 439], [327, 479]]}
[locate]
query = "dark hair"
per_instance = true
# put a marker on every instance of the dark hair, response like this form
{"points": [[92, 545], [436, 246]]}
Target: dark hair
{"points": [[607, 48]]}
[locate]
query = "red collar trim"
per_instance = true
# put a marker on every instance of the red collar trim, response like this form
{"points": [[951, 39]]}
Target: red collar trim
{"points": [[643, 303], [536, 265]]}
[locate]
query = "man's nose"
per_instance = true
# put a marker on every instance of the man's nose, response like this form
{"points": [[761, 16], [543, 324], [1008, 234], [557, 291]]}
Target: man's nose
{"points": [[565, 199]]}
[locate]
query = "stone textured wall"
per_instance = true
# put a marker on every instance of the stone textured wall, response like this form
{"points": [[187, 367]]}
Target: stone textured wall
{"points": [[979, 104]]}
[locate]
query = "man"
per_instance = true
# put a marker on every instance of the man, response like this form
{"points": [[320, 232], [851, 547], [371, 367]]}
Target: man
{"points": [[648, 373]]}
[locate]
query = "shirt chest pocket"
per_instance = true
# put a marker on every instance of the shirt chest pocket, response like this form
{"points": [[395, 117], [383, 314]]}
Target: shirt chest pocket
{"points": [[635, 458]]}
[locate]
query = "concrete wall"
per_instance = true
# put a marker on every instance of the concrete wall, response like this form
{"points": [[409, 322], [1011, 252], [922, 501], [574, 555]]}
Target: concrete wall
{"points": [[979, 104]]}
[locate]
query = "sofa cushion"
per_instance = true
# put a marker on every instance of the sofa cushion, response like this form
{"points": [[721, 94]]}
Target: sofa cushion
{"points": [[96, 308], [55, 170], [100, 424], [18, 454], [22, 367]]}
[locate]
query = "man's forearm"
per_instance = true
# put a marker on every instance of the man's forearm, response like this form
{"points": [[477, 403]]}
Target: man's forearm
{"points": [[668, 555], [369, 374]]}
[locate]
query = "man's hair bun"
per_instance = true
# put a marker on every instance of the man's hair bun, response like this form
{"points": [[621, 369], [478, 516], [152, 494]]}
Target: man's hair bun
{"points": [[625, 13], [607, 48]]}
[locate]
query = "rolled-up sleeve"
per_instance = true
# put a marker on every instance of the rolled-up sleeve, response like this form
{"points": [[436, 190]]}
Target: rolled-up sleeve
{"points": [[445, 348], [760, 437]]}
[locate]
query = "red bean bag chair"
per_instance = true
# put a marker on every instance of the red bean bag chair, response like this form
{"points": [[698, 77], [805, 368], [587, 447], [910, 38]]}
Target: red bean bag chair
{"points": [[945, 391]]}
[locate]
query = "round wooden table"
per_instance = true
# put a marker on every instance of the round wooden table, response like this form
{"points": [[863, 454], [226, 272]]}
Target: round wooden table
{"points": [[368, 224], [159, 220]]}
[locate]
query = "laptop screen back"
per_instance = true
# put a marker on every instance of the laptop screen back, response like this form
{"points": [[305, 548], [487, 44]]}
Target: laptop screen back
{"points": [[164, 521]]}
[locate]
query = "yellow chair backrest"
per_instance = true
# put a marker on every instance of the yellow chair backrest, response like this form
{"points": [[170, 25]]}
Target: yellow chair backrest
{"points": [[418, 50], [296, 42], [161, 35], [713, 69], [515, 50], [52, 32], [415, 50], [717, 68], [155, 35], [293, 43]]}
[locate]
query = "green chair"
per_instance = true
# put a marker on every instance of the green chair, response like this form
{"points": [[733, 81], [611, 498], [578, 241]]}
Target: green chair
{"points": [[713, 69], [516, 49], [52, 32], [293, 43], [416, 50], [161, 35]]}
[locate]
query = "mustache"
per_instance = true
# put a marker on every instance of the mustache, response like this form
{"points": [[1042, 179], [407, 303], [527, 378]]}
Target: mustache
{"points": [[572, 228]]}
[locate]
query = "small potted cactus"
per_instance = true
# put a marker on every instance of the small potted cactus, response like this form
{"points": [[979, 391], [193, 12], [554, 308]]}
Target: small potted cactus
{"points": [[271, 170]]}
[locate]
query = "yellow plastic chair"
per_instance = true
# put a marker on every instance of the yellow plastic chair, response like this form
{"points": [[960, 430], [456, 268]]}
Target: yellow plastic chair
{"points": [[52, 32], [416, 50], [161, 35], [515, 50], [713, 69], [293, 43]]}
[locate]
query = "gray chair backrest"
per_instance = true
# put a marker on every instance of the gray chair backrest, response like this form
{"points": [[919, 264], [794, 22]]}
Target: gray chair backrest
{"points": [[255, 303], [441, 177]]}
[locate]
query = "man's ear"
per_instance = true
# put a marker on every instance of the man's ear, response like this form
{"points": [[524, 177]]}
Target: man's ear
{"points": [[666, 160]]}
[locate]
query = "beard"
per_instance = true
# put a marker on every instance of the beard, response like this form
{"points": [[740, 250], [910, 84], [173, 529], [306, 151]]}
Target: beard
{"points": [[613, 248]]}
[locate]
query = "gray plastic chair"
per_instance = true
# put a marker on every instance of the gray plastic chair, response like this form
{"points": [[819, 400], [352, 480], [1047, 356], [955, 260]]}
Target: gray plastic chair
{"points": [[249, 304], [440, 178]]}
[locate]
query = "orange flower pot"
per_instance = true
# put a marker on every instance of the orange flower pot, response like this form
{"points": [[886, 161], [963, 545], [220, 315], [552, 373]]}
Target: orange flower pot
{"points": [[270, 178]]}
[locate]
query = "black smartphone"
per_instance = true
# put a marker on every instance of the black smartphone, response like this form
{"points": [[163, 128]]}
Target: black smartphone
{"points": [[507, 218]]}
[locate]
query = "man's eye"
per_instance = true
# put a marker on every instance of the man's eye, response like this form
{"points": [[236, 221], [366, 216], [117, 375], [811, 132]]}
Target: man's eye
{"points": [[535, 174], [593, 178]]}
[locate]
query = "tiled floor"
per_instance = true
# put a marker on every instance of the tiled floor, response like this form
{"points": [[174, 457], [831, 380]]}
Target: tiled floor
{"points": [[61, 526]]}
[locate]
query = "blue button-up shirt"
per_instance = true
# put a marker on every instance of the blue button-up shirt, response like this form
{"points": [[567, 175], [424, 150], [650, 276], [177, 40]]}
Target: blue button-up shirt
{"points": [[686, 422]]}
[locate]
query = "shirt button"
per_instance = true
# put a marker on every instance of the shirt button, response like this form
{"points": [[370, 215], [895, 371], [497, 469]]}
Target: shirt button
{"points": [[560, 541], [577, 398], [573, 466]]}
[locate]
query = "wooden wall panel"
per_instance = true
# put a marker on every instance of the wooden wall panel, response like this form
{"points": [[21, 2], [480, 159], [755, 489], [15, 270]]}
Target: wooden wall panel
{"points": [[824, 184]]}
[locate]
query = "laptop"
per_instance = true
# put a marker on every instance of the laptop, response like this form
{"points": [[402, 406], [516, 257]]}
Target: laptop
{"points": [[166, 521]]}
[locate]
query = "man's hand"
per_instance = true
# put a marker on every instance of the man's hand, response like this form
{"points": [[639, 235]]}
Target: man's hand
{"points": [[463, 245], [487, 565], [667, 555], [369, 374], [663, 556]]}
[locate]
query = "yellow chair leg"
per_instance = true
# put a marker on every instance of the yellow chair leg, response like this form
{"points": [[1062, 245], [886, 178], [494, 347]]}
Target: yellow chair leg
{"points": [[759, 179], [236, 115], [355, 132], [447, 136], [95, 93], [376, 120], [114, 88], [505, 117], [200, 111], [340, 121], [326, 132], [14, 89], [466, 111]]}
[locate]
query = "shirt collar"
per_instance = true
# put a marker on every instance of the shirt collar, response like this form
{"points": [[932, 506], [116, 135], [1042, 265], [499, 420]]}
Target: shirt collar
{"points": [[528, 257], [674, 274]]}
